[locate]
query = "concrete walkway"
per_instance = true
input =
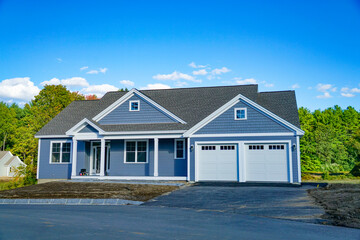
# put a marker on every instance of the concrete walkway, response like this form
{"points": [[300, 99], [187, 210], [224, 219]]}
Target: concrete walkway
{"points": [[71, 201]]}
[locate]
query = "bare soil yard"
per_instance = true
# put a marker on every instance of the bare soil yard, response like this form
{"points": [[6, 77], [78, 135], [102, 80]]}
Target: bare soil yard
{"points": [[341, 203], [135, 192]]}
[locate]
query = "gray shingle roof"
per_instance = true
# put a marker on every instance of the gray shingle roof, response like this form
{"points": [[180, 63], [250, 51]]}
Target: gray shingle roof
{"points": [[3, 153], [190, 104]]}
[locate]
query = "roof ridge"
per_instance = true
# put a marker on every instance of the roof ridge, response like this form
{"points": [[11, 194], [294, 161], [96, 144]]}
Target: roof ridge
{"points": [[277, 91]]}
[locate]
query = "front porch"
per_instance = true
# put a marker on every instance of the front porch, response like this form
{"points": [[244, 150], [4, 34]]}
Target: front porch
{"points": [[129, 159]]}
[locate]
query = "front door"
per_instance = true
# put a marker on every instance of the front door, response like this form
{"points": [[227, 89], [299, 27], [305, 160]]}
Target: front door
{"points": [[96, 159]]}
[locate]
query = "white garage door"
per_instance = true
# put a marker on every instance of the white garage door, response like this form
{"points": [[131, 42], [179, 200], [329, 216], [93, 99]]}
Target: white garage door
{"points": [[217, 162], [266, 162]]}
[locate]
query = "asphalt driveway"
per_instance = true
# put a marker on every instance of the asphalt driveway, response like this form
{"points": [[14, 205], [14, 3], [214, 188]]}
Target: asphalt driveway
{"points": [[282, 202]]}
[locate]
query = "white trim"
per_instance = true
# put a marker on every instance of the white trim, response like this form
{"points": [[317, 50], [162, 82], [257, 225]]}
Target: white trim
{"points": [[145, 132], [51, 136], [38, 160], [175, 152], [235, 115], [230, 104], [143, 136], [245, 134], [298, 157], [80, 125], [134, 101], [136, 143], [102, 157], [151, 178], [188, 160], [242, 158], [156, 157], [61, 141], [74, 157], [129, 95]]}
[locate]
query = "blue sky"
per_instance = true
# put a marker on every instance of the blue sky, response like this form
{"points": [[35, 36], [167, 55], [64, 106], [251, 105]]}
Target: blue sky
{"points": [[97, 46]]}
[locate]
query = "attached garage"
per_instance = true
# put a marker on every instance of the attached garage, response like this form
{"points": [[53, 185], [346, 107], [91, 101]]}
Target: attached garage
{"points": [[244, 162], [217, 162], [266, 162]]}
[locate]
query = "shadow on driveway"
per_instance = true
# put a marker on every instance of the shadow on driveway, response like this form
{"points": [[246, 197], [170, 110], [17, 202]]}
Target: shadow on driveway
{"points": [[275, 201]]}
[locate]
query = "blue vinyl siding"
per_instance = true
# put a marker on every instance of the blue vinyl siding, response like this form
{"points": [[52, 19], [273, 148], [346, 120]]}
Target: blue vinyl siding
{"points": [[51, 171], [88, 129], [256, 122], [265, 138], [168, 165], [147, 114]]}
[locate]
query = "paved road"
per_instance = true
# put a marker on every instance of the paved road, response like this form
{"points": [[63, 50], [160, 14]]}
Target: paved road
{"points": [[266, 201], [147, 222]]}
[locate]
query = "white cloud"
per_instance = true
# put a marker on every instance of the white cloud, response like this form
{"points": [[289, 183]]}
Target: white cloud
{"points": [[344, 89], [70, 82], [175, 76], [156, 86], [325, 95], [83, 68], [93, 72], [99, 90], [246, 81], [127, 83], [103, 70], [355, 90], [18, 88], [269, 85], [193, 65], [59, 60], [347, 94], [200, 72], [324, 87], [295, 86], [218, 71], [333, 89]]}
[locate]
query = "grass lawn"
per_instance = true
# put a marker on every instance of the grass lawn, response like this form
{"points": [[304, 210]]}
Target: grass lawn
{"points": [[62, 189], [4, 182]]}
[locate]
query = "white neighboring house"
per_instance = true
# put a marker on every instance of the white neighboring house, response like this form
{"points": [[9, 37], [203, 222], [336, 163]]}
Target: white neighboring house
{"points": [[7, 162]]}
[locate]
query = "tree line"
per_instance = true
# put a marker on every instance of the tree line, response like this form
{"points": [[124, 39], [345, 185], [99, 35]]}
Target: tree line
{"points": [[331, 142]]}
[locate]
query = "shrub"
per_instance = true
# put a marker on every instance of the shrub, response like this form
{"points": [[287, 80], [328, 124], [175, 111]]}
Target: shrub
{"points": [[356, 170]]}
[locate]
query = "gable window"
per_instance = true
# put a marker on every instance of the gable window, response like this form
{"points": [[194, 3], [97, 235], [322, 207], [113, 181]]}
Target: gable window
{"points": [[179, 148], [136, 151], [134, 106], [60, 152], [240, 113]]}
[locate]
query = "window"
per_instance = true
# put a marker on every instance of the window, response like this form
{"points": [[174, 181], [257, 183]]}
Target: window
{"points": [[232, 147], [136, 151], [60, 152], [180, 148], [134, 106], [240, 113], [206, 148], [256, 147], [276, 147]]}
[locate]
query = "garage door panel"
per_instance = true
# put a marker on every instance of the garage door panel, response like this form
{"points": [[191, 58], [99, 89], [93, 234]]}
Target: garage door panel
{"points": [[266, 162], [217, 164]]}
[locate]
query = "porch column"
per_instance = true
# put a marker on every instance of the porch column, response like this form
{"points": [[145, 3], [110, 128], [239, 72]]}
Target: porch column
{"points": [[156, 157], [102, 158], [74, 158]]}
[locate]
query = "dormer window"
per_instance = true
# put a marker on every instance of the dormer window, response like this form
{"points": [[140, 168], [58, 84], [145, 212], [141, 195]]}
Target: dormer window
{"points": [[240, 113], [134, 106]]}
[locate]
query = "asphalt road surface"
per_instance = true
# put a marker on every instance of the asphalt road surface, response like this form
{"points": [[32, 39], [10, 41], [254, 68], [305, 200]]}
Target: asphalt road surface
{"points": [[153, 222]]}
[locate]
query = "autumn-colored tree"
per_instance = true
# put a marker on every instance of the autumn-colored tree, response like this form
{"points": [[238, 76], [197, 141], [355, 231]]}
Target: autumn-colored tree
{"points": [[91, 97]]}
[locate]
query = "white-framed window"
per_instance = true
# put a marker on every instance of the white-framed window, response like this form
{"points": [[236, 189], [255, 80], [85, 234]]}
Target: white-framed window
{"points": [[134, 106], [60, 152], [240, 113], [179, 148], [136, 151]]}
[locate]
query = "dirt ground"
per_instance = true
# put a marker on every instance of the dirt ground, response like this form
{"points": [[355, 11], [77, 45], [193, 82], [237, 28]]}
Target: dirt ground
{"points": [[135, 192], [341, 203]]}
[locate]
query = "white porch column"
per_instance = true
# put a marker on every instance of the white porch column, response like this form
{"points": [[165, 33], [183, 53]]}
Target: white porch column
{"points": [[156, 157], [74, 157], [102, 158]]}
